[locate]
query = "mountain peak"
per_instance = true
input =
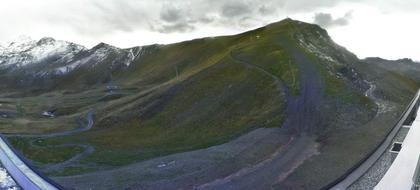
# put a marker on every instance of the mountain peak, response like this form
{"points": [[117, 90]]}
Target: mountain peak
{"points": [[379, 59], [291, 22], [19, 44], [406, 60], [24, 50], [104, 46], [289, 25], [19, 40], [287, 19], [46, 40], [374, 59]]}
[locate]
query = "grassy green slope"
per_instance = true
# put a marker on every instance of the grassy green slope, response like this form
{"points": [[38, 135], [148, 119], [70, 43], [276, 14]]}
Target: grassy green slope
{"points": [[195, 94], [213, 99]]}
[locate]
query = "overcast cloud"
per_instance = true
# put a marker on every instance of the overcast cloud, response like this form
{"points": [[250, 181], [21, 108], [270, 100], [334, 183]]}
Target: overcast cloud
{"points": [[138, 22], [326, 20]]}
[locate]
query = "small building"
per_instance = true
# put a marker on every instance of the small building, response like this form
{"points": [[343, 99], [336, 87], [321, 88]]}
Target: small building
{"points": [[49, 113], [111, 87]]}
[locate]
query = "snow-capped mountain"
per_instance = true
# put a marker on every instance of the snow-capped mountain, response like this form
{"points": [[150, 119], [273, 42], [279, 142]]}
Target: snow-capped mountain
{"points": [[27, 63], [94, 56], [102, 54], [27, 51], [50, 56]]}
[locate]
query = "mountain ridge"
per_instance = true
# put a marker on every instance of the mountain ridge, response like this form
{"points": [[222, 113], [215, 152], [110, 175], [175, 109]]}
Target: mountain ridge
{"points": [[227, 107]]}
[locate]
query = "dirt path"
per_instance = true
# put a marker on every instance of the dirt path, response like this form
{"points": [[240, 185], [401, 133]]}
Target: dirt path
{"points": [[271, 171], [74, 160], [304, 110], [383, 106], [88, 149], [185, 170], [239, 164], [303, 116], [84, 127]]}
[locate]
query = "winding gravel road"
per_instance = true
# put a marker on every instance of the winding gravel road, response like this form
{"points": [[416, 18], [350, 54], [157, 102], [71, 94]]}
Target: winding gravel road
{"points": [[88, 149], [261, 159], [302, 119], [84, 127], [239, 164]]}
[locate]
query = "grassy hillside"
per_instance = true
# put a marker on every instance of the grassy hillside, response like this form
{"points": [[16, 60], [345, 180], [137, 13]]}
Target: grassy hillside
{"points": [[206, 92], [194, 94]]}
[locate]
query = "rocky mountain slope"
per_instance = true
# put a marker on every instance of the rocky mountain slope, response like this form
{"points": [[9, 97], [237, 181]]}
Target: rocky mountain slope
{"points": [[26, 52], [405, 66], [276, 107], [33, 65]]}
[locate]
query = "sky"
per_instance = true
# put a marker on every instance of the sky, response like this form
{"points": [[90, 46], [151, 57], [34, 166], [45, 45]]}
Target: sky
{"points": [[370, 28]]}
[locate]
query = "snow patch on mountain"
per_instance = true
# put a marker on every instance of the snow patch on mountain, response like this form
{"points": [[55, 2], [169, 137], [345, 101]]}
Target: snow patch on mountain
{"points": [[134, 53], [102, 52], [26, 51], [49, 56], [316, 49], [94, 56], [19, 44]]}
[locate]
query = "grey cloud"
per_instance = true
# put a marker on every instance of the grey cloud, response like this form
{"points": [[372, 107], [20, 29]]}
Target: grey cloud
{"points": [[247, 22], [96, 18], [171, 14], [206, 19], [295, 6], [326, 20], [174, 19], [92, 21], [177, 27], [115, 18], [235, 9], [265, 10]]}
